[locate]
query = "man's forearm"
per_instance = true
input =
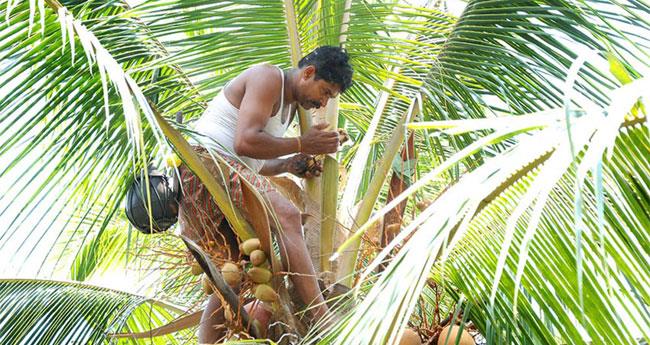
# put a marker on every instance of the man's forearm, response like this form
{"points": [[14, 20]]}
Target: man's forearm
{"points": [[261, 145], [274, 167]]}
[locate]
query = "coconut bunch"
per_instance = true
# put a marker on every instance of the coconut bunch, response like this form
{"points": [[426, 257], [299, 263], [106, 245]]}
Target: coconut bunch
{"points": [[259, 272], [206, 285]]}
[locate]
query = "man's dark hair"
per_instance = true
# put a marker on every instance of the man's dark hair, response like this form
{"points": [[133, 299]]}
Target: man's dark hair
{"points": [[331, 65]]}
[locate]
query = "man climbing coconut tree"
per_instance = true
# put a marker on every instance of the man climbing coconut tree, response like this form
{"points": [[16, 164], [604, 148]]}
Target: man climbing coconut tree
{"points": [[245, 124]]}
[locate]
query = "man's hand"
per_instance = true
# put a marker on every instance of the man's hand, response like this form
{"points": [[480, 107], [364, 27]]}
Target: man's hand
{"points": [[318, 141], [304, 166]]}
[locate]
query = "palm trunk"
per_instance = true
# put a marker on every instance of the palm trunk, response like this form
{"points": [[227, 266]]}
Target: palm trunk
{"points": [[330, 183]]}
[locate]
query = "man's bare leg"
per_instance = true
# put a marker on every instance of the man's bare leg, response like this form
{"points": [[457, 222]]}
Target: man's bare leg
{"points": [[295, 256], [212, 327]]}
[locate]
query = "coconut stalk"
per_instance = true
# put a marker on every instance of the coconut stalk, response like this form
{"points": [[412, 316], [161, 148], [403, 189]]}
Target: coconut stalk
{"points": [[355, 175], [349, 257], [393, 219], [397, 185], [312, 185], [330, 176], [358, 165]]}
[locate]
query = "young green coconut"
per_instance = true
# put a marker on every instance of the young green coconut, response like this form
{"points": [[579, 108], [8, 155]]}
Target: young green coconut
{"points": [[265, 293], [258, 257], [207, 285], [231, 274], [452, 331], [410, 337], [196, 269], [259, 275], [248, 246]]}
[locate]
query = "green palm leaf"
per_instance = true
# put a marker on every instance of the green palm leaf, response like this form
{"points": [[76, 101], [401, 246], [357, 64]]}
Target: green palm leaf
{"points": [[51, 312], [567, 265], [527, 171], [64, 113]]}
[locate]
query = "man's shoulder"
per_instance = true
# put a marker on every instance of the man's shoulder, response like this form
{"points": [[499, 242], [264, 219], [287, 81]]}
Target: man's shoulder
{"points": [[263, 74], [265, 67]]}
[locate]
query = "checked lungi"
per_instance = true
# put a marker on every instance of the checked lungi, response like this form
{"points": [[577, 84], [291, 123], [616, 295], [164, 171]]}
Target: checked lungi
{"points": [[199, 216]]}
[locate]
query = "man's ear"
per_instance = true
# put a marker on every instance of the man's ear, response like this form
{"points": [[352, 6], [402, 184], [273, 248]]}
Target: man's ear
{"points": [[308, 72]]}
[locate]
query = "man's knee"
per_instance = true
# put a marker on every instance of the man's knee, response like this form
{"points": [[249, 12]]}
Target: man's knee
{"points": [[287, 214], [290, 219]]}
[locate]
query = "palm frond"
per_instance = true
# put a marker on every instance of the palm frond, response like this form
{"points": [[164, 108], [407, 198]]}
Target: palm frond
{"points": [[608, 305], [514, 52], [52, 312], [64, 113], [440, 227], [531, 228]]}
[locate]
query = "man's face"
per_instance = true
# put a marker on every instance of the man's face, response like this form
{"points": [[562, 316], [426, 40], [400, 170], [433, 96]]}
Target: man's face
{"points": [[313, 94]]}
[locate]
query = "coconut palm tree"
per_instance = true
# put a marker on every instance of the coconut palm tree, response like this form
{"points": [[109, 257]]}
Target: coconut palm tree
{"points": [[531, 152]]}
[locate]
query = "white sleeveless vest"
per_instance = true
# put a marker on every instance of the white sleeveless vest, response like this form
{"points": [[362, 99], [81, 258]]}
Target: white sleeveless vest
{"points": [[219, 121]]}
